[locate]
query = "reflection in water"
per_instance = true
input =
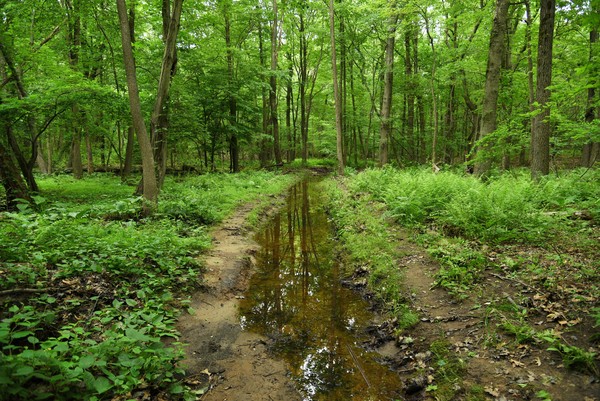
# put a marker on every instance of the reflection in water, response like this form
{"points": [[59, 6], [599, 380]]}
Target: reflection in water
{"points": [[296, 297]]}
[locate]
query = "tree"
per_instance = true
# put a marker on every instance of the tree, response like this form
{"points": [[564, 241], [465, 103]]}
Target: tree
{"points": [[159, 119], [11, 179], [336, 93], [273, 82], [591, 150], [150, 187], [492, 82], [540, 138], [388, 80]]}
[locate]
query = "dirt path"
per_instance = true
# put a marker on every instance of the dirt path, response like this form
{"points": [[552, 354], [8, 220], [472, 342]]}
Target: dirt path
{"points": [[494, 363], [230, 363]]}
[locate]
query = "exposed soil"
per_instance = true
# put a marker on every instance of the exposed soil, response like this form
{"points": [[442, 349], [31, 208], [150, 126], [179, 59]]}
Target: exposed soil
{"points": [[222, 359], [495, 363]]}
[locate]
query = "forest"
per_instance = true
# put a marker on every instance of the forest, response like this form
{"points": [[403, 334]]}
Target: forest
{"points": [[131, 131]]}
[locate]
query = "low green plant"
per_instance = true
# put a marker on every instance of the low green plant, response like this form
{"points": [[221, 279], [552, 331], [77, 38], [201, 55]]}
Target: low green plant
{"points": [[367, 241], [449, 370], [112, 282], [461, 265]]}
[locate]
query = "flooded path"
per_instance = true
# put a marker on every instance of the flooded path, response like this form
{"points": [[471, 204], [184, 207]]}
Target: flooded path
{"points": [[295, 299]]}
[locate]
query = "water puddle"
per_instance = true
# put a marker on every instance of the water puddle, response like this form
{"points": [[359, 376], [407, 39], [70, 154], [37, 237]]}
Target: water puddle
{"points": [[296, 297]]}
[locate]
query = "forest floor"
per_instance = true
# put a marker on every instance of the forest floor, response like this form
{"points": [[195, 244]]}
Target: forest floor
{"points": [[458, 341], [226, 361], [510, 337]]}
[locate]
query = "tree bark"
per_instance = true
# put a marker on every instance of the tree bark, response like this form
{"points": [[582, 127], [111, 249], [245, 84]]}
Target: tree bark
{"points": [[492, 84], [159, 119], [388, 81], [540, 138], [591, 150], [303, 76], [336, 93], [232, 102], [150, 187], [273, 82], [11, 179]]}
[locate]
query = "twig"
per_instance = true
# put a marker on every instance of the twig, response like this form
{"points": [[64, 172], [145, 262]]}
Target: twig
{"points": [[360, 369], [29, 290], [515, 280]]}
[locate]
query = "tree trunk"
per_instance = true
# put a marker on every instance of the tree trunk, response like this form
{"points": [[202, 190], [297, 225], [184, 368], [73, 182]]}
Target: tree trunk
{"points": [[150, 187], [492, 84], [289, 96], [159, 120], [336, 92], [264, 153], [303, 75], [388, 81], [433, 98], [591, 150], [90, 156], [74, 35], [11, 179], [273, 82], [540, 138], [530, 80], [233, 140], [410, 94]]}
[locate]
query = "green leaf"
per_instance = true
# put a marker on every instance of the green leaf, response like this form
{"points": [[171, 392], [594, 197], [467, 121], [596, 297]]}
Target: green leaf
{"points": [[61, 347], [136, 335], [87, 361], [24, 371], [176, 389], [21, 334], [131, 302], [102, 384]]}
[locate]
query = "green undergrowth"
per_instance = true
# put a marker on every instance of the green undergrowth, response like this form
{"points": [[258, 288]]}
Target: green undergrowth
{"points": [[91, 290], [368, 246], [507, 208]]}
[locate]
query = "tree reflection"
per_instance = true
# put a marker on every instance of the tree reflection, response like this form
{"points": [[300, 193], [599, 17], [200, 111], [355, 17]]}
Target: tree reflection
{"points": [[296, 298]]}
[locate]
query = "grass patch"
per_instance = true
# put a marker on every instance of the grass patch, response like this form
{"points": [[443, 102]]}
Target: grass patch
{"points": [[368, 243]]}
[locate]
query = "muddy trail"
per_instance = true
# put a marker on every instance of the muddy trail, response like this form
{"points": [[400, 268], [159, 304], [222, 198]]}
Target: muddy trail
{"points": [[276, 322]]}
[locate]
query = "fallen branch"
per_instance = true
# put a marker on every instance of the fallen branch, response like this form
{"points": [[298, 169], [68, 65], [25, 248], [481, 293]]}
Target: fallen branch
{"points": [[530, 288], [29, 290]]}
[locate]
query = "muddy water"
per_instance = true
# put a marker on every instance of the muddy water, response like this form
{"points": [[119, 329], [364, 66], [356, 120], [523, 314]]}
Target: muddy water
{"points": [[295, 297]]}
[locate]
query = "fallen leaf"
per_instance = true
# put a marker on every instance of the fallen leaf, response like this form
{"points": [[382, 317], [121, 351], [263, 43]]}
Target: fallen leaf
{"points": [[492, 391], [517, 364], [206, 372], [538, 362]]}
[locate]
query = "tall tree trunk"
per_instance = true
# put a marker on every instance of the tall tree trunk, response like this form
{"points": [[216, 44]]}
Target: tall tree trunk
{"points": [[273, 82], [303, 75], [388, 81], [74, 35], [540, 139], [492, 84], [530, 80], [336, 92], [159, 119], [264, 153], [150, 186], [25, 165], [232, 102], [591, 150], [410, 94], [289, 96], [433, 98]]}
